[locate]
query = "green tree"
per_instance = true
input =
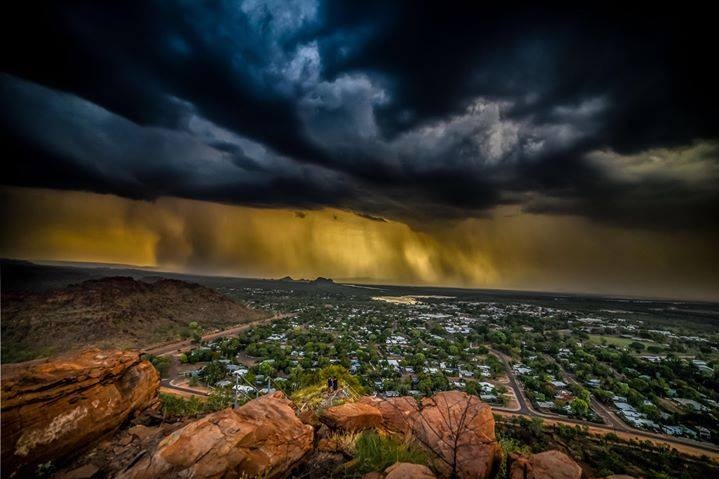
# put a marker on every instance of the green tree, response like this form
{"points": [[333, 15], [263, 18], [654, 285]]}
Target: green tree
{"points": [[579, 407]]}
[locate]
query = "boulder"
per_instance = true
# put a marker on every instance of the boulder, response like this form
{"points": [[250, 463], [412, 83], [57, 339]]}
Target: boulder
{"points": [[545, 465], [262, 438], [373, 475], [459, 429], [352, 417], [397, 413], [53, 409], [406, 470], [619, 476]]}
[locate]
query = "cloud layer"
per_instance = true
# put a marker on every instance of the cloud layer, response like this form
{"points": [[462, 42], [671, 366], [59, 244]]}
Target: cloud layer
{"points": [[385, 109]]}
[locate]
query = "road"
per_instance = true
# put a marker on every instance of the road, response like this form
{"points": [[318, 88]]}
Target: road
{"points": [[167, 387], [692, 448], [178, 347], [603, 411], [187, 344], [613, 423]]}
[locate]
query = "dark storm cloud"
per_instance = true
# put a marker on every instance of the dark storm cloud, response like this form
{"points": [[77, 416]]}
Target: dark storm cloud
{"points": [[389, 109]]}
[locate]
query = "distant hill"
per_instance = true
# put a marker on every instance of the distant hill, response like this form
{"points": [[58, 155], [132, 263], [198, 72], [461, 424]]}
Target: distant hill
{"points": [[111, 312], [319, 281]]}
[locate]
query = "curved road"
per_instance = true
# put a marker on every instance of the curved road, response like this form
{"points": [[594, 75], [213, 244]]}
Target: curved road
{"points": [[613, 423], [187, 344], [177, 347]]}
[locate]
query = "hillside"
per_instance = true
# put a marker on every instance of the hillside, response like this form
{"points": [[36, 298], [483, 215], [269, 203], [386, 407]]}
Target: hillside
{"points": [[111, 312]]}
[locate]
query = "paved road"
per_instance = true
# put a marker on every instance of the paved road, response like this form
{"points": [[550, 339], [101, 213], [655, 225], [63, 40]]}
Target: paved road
{"points": [[179, 347], [166, 384], [525, 406], [610, 419], [690, 447], [187, 344], [613, 425]]}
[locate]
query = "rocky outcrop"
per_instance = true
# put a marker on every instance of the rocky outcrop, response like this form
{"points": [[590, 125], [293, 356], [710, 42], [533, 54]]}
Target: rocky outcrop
{"points": [[53, 409], [455, 427], [397, 413], [545, 465], [459, 429], [262, 438], [406, 470], [352, 417]]}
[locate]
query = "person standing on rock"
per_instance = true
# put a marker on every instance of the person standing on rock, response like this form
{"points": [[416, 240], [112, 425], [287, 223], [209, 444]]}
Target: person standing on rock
{"points": [[330, 384]]}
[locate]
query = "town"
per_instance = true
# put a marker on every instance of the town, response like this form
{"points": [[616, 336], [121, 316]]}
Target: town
{"points": [[625, 368]]}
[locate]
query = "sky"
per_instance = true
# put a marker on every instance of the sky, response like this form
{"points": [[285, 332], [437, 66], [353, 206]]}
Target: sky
{"points": [[512, 146]]}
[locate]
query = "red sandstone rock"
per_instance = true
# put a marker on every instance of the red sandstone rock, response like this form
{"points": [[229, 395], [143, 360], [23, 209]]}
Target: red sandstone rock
{"points": [[459, 429], [352, 417], [406, 470], [53, 409], [545, 465], [263, 437], [397, 413]]}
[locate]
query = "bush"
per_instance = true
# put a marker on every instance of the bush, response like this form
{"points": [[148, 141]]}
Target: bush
{"points": [[373, 452], [313, 393], [509, 446], [174, 406], [161, 363]]}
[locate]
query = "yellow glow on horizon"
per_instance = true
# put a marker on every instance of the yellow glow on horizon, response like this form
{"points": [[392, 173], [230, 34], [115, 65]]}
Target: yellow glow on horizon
{"points": [[509, 250]]}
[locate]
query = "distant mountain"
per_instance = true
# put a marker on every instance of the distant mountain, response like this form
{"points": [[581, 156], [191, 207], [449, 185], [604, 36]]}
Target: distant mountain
{"points": [[111, 312], [319, 281]]}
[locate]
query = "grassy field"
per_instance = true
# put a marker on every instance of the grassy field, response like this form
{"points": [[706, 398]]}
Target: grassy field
{"points": [[617, 341]]}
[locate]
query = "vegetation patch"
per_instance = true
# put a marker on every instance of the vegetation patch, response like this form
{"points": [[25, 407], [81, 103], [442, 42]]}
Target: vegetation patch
{"points": [[374, 452], [178, 406]]}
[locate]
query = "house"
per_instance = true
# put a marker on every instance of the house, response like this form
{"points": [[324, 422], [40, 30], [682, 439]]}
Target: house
{"points": [[702, 366], [690, 404], [486, 387], [672, 430], [394, 364], [563, 395], [704, 433], [243, 388]]}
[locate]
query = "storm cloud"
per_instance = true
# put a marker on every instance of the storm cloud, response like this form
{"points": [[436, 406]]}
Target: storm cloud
{"points": [[396, 110]]}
